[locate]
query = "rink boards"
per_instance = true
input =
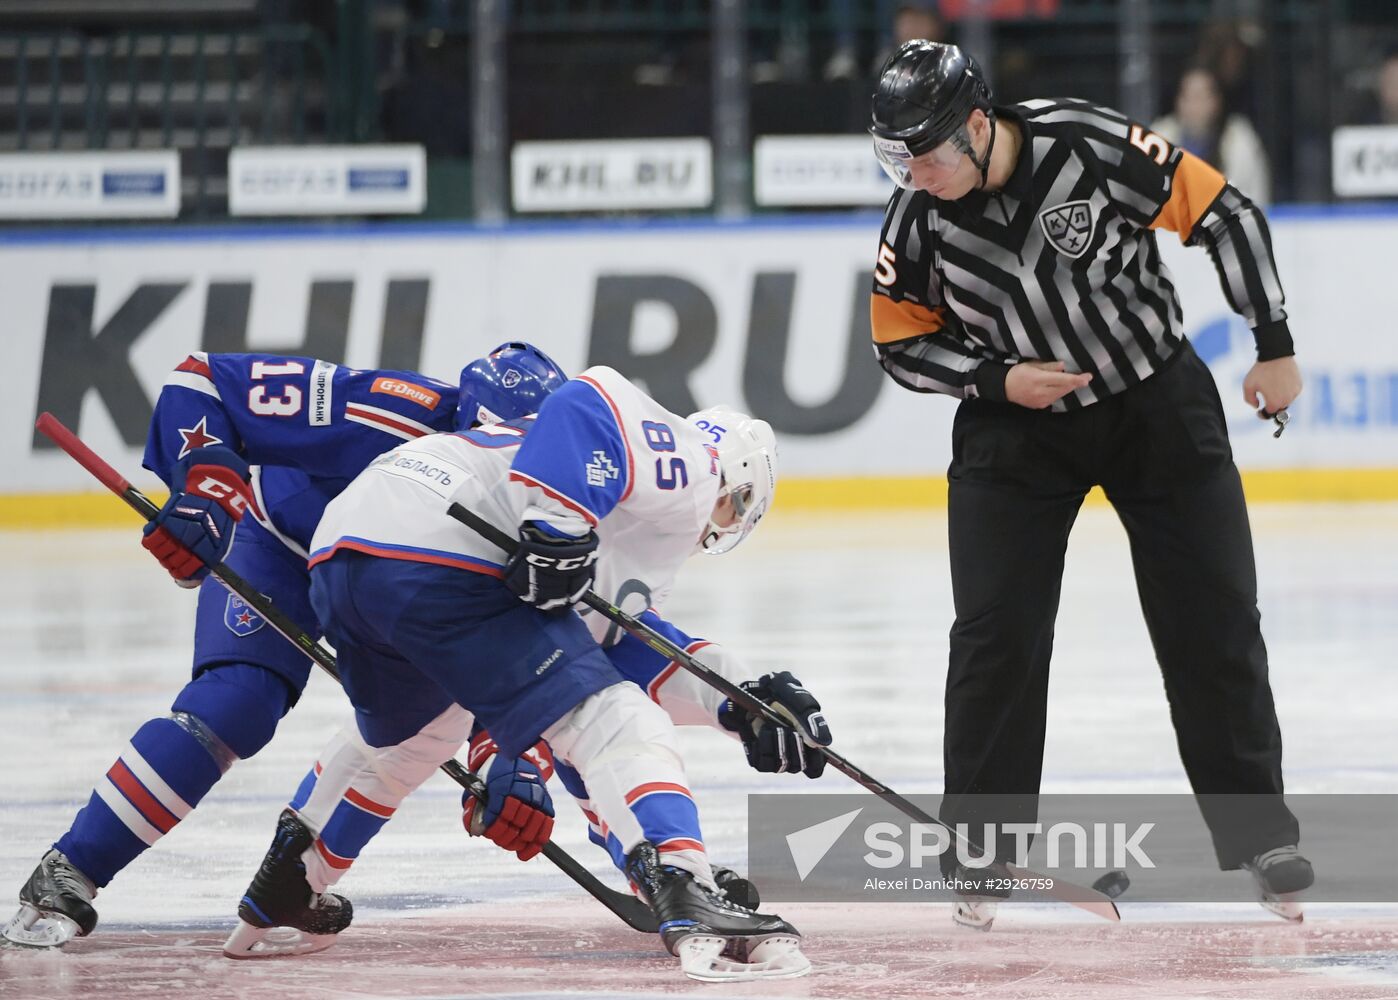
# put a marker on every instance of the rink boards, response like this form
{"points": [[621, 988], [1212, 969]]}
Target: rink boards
{"points": [[770, 315]]}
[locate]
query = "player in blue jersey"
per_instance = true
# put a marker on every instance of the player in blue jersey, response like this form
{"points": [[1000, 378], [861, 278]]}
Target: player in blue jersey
{"points": [[252, 446]]}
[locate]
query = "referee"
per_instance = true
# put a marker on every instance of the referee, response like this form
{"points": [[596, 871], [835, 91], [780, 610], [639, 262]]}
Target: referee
{"points": [[1018, 271]]}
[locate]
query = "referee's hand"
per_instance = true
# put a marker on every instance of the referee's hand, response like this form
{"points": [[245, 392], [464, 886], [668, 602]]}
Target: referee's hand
{"points": [[1039, 384], [1277, 382]]}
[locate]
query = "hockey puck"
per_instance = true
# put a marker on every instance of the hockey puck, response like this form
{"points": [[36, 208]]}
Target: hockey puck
{"points": [[739, 890], [1112, 884]]}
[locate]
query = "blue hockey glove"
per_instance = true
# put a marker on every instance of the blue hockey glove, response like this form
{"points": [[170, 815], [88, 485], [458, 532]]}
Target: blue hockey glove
{"points": [[518, 810], [780, 749], [195, 528], [551, 571]]}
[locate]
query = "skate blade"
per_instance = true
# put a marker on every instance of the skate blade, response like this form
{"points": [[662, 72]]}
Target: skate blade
{"points": [[33, 928], [248, 941], [1286, 906], [974, 916], [777, 957]]}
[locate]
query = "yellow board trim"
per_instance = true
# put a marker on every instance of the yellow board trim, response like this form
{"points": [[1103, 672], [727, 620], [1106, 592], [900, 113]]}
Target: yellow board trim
{"points": [[31, 511], [921, 492]]}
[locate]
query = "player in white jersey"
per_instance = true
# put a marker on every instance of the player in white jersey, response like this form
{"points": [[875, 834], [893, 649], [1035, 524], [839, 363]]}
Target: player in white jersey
{"points": [[431, 632]]}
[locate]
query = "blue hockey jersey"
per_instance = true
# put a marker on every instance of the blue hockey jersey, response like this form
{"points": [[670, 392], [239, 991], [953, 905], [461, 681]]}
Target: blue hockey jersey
{"points": [[306, 426]]}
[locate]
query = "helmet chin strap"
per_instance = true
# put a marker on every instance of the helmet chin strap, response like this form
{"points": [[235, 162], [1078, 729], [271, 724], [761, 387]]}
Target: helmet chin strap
{"points": [[983, 163]]}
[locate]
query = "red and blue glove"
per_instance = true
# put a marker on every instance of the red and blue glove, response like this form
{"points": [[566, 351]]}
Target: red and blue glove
{"points": [[194, 530], [518, 811]]}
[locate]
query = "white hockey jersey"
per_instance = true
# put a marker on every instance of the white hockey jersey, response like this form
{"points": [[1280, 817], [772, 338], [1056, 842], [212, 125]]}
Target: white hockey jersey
{"points": [[600, 454]]}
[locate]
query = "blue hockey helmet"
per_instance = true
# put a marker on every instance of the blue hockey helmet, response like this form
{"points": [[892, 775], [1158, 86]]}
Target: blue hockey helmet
{"points": [[509, 382]]}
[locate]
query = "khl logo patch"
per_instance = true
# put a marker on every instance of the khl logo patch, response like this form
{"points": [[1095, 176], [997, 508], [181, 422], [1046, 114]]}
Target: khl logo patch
{"points": [[512, 378], [1068, 227], [241, 619]]}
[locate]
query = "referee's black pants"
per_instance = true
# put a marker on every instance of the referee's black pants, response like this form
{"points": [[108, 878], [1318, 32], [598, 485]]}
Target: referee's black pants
{"points": [[1160, 452]]}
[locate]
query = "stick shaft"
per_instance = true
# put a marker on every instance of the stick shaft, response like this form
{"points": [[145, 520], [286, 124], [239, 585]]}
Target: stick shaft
{"points": [[628, 908], [1068, 892]]}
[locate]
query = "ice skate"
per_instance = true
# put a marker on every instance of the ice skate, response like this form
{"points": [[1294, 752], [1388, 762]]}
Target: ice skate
{"points": [[1281, 875], [715, 939], [974, 909], [55, 906], [279, 914], [975, 914]]}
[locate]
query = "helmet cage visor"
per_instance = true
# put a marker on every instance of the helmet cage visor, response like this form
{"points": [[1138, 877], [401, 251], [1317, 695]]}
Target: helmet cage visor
{"points": [[896, 158], [718, 539]]}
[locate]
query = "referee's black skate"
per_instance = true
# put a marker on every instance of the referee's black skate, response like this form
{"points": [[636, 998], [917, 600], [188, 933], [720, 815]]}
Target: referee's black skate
{"points": [[279, 914], [715, 939], [1281, 874], [55, 905]]}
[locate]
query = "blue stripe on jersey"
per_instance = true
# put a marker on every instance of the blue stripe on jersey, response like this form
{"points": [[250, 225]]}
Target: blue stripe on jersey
{"points": [[408, 553], [636, 661], [576, 451], [508, 434], [349, 829], [304, 790]]}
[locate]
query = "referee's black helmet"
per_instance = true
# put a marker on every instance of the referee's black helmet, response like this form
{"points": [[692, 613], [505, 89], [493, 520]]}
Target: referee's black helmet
{"points": [[925, 93]]}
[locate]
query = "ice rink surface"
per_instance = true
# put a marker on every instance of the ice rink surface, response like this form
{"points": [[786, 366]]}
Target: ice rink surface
{"points": [[94, 639]]}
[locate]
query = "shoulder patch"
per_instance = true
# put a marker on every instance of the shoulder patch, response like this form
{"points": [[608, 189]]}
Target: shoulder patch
{"points": [[411, 391]]}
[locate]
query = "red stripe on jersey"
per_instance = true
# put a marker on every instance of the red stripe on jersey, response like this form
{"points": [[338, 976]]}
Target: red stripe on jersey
{"points": [[653, 688], [675, 844], [331, 858], [146, 803], [378, 418], [620, 429], [653, 787], [368, 804], [197, 366], [571, 504], [407, 555], [317, 767]]}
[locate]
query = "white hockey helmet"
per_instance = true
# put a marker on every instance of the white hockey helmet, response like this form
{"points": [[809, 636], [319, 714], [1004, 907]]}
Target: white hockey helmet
{"points": [[747, 460]]}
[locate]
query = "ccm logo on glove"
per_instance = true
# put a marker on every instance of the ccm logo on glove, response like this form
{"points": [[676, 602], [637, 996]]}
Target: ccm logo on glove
{"points": [[194, 530]]}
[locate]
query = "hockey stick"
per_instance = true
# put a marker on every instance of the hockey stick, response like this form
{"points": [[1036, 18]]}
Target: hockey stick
{"points": [[1080, 896], [627, 907]]}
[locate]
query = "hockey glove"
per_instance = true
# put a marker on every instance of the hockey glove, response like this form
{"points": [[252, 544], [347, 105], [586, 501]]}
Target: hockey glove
{"points": [[518, 812], [549, 571], [194, 530], [780, 749]]}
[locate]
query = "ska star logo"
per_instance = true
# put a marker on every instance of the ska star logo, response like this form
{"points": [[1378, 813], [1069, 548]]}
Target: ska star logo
{"points": [[240, 619], [197, 436]]}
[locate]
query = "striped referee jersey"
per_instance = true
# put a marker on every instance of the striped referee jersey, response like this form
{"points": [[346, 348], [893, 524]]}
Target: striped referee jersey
{"points": [[1061, 264]]}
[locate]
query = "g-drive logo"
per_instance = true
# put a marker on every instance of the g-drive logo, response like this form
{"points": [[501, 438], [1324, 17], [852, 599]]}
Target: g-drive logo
{"points": [[914, 845]]}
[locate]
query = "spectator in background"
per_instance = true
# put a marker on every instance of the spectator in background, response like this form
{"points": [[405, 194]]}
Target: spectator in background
{"points": [[1228, 48], [1388, 89], [1202, 125], [912, 21], [1380, 104]]}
